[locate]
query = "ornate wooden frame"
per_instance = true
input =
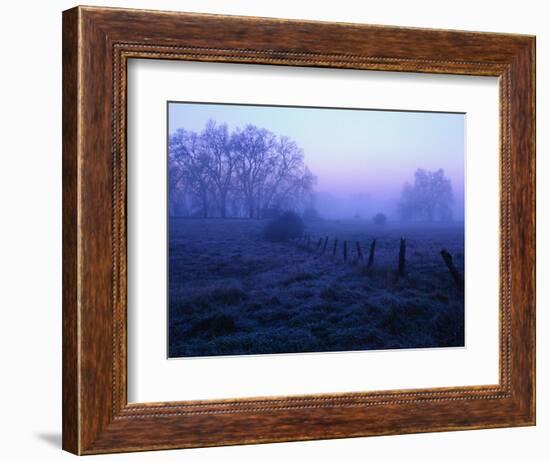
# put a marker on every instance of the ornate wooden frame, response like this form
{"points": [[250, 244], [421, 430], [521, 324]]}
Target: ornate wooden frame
{"points": [[97, 43]]}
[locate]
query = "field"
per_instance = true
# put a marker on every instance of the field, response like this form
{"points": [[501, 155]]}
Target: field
{"points": [[233, 293]]}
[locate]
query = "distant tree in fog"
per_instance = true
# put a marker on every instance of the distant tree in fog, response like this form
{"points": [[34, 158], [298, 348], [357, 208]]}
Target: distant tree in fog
{"points": [[429, 198], [250, 172]]}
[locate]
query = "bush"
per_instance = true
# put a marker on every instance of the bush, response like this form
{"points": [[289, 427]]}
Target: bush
{"points": [[311, 214], [379, 219], [287, 226]]}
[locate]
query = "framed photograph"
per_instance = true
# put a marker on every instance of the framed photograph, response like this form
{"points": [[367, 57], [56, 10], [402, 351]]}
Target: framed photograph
{"points": [[281, 230]]}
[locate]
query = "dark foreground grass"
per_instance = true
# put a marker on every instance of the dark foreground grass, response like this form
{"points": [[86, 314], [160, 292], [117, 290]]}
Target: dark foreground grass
{"points": [[231, 292]]}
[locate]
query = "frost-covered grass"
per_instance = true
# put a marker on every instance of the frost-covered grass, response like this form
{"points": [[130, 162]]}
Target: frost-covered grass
{"points": [[231, 292]]}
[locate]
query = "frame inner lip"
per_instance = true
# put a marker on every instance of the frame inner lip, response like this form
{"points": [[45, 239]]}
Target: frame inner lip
{"points": [[127, 51]]}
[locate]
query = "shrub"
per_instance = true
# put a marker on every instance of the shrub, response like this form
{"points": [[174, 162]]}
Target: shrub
{"points": [[287, 226], [379, 219], [311, 214]]}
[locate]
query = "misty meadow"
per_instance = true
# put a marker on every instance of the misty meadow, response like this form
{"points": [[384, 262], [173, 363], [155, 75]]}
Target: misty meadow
{"points": [[295, 229]]}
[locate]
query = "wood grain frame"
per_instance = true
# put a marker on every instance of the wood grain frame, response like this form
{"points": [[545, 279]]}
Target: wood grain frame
{"points": [[97, 44]]}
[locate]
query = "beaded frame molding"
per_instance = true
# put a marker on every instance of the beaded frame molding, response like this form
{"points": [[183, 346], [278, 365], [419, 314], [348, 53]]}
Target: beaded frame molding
{"points": [[97, 43]]}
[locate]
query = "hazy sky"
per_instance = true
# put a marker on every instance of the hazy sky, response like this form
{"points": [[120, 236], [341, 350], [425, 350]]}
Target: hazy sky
{"points": [[367, 153]]}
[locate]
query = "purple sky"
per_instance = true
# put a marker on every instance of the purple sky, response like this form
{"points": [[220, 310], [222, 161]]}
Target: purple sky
{"points": [[360, 157]]}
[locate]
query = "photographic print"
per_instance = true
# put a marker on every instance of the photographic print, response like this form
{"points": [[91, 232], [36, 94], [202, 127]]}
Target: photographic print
{"points": [[313, 229]]}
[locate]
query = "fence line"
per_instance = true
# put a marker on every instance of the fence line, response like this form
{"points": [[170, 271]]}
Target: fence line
{"points": [[347, 245], [321, 246]]}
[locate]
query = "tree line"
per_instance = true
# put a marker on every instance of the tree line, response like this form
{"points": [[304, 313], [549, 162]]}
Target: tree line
{"points": [[248, 172]]}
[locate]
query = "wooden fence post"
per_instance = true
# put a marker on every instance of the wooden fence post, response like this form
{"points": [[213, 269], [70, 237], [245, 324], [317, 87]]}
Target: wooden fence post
{"points": [[345, 250], [401, 267], [335, 246], [459, 280], [319, 244], [325, 245], [371, 253], [359, 251]]}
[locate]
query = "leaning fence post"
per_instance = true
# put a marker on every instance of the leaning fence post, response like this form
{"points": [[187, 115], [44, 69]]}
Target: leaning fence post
{"points": [[335, 246], [325, 244], [345, 250], [371, 253], [452, 269], [359, 251], [401, 267], [319, 244]]}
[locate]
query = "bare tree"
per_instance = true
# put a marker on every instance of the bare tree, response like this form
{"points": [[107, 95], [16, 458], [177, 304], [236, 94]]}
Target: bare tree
{"points": [[428, 199], [285, 173], [190, 160], [220, 164], [253, 160], [250, 171], [299, 190]]}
